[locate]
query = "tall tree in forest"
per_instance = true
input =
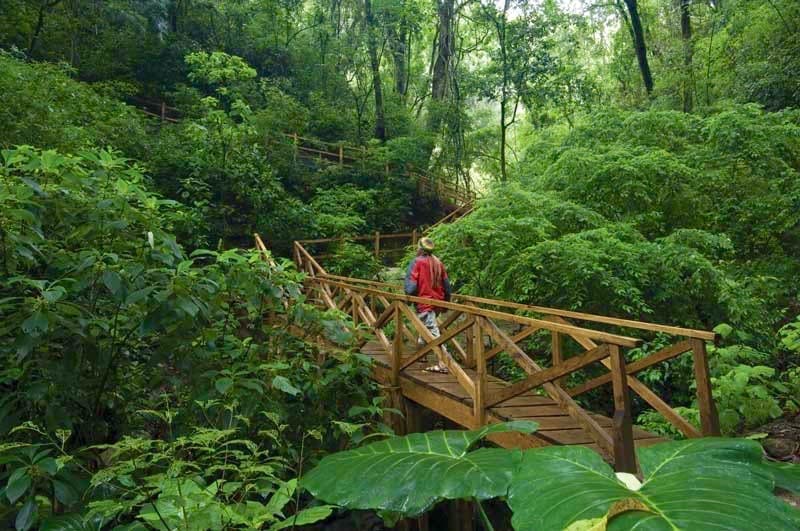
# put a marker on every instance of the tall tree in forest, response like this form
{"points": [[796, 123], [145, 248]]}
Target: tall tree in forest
{"points": [[45, 6], [500, 22], [630, 14], [520, 65], [374, 60], [686, 38], [444, 50], [398, 36]]}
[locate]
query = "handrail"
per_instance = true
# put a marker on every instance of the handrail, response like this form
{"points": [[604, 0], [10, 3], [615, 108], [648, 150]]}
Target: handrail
{"points": [[624, 323], [606, 337]]}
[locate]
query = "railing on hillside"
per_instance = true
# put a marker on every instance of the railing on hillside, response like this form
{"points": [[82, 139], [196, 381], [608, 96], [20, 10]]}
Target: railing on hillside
{"points": [[472, 323], [384, 247], [353, 156], [333, 152], [157, 109]]}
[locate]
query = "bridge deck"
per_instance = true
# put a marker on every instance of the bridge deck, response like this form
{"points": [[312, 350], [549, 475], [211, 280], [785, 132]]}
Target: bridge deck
{"points": [[442, 394]]}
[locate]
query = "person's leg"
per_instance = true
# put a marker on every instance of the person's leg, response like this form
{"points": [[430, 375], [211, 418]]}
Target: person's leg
{"points": [[429, 320]]}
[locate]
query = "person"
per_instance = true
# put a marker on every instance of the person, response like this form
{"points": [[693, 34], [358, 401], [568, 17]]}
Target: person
{"points": [[427, 277]]}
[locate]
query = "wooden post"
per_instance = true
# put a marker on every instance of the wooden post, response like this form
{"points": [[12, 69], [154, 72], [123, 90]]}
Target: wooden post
{"points": [[624, 451], [558, 355], [163, 111], [469, 359], [377, 244], [414, 238], [386, 168], [709, 419], [481, 384], [295, 143], [397, 346], [341, 155]]}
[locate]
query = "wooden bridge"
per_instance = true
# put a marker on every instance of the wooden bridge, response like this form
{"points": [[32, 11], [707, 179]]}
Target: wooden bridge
{"points": [[476, 330]]}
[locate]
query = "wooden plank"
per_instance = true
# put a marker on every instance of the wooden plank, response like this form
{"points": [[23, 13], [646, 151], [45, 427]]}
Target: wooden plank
{"points": [[664, 354], [528, 399], [626, 323], [385, 316], [369, 317], [709, 419], [557, 352], [624, 454], [663, 408], [528, 412], [479, 409], [397, 346], [548, 375]]}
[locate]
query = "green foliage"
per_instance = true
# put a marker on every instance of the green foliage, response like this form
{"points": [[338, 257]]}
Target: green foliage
{"points": [[207, 479], [541, 249], [218, 68], [353, 260], [342, 211], [410, 474], [686, 485], [733, 173], [44, 106], [112, 333], [744, 395]]}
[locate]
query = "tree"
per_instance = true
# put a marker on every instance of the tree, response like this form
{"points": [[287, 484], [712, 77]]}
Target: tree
{"points": [[634, 24], [371, 30], [686, 37], [443, 57], [45, 6], [521, 63]]}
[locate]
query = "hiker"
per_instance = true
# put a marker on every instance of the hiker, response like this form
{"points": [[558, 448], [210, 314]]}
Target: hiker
{"points": [[427, 277]]}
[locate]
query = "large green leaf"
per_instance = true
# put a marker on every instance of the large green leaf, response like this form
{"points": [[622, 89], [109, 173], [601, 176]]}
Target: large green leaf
{"points": [[305, 517], [409, 474], [700, 484]]}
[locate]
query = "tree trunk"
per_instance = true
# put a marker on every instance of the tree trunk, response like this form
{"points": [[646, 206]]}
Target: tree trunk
{"points": [[686, 37], [639, 44], [442, 65], [43, 8], [377, 89], [501, 39], [399, 41]]}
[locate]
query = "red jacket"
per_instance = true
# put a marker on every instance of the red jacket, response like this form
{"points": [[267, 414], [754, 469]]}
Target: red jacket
{"points": [[420, 284]]}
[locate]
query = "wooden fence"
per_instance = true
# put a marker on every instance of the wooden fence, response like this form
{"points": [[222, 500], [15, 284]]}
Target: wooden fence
{"points": [[351, 156], [384, 247]]}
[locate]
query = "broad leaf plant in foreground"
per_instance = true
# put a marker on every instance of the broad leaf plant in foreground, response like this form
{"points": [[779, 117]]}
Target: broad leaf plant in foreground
{"points": [[699, 484]]}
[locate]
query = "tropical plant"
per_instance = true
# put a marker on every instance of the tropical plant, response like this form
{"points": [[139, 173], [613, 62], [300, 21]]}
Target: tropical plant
{"points": [[683, 485]]}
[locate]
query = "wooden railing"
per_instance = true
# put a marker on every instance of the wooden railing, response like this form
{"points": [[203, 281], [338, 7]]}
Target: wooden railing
{"points": [[478, 329], [332, 152], [351, 156], [157, 109], [459, 196], [384, 247]]}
